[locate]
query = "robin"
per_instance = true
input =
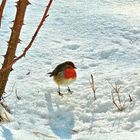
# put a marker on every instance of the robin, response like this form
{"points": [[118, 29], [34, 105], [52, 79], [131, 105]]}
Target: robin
{"points": [[64, 74]]}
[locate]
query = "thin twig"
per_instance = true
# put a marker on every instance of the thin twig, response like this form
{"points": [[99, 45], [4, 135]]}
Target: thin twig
{"points": [[114, 102], [6, 117], [116, 90], [39, 133], [120, 104], [6, 107], [74, 131], [130, 98], [3, 115], [18, 97], [92, 83], [3, 3]]}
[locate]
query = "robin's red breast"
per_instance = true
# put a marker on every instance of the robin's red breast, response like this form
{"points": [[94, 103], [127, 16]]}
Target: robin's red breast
{"points": [[64, 74]]}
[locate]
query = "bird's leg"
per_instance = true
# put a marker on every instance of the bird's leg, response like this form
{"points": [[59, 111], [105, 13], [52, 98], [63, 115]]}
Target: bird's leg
{"points": [[59, 91], [69, 90]]}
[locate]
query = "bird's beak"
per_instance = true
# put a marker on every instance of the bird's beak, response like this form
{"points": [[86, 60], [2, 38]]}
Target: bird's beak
{"points": [[75, 67]]}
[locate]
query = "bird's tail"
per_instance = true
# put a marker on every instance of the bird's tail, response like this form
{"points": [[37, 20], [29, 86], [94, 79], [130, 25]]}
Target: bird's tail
{"points": [[50, 74]]}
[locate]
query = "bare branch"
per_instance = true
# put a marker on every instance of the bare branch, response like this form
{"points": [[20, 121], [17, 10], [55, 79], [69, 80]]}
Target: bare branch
{"points": [[12, 45], [32, 40], [3, 3], [36, 32]]}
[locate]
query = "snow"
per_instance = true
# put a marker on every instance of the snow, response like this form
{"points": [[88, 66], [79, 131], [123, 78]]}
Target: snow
{"points": [[102, 38]]}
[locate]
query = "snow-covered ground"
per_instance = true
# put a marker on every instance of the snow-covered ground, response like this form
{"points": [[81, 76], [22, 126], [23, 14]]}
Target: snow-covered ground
{"points": [[102, 37]]}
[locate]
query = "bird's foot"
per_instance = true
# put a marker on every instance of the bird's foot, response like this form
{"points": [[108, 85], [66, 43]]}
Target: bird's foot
{"points": [[60, 93], [69, 91]]}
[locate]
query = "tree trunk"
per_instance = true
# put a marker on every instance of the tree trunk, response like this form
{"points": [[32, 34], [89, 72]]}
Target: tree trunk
{"points": [[12, 44]]}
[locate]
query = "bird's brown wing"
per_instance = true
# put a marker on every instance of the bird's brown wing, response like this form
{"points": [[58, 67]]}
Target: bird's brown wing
{"points": [[58, 69]]}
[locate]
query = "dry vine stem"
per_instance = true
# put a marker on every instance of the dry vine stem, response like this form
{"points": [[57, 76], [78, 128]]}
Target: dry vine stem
{"points": [[116, 91], [92, 84], [1, 9]]}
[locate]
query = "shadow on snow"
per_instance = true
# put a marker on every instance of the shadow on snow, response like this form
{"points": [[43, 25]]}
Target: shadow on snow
{"points": [[6, 133], [60, 120]]}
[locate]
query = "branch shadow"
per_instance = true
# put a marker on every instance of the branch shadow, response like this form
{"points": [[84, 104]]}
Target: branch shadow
{"points": [[60, 120], [7, 133]]}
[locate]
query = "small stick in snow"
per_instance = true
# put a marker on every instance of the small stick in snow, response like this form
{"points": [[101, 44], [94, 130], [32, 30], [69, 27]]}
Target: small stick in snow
{"points": [[28, 73], [92, 84], [130, 98], [74, 131], [18, 97], [119, 106], [39, 133]]}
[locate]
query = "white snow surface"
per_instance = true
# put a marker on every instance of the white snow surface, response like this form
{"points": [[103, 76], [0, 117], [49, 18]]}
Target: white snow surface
{"points": [[102, 37]]}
